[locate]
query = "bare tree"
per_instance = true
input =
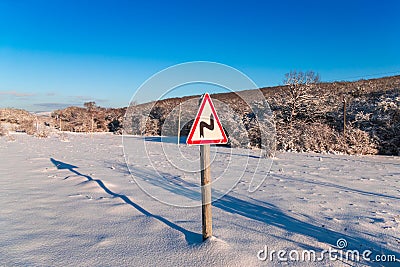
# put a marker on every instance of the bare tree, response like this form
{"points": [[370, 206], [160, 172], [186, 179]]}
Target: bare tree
{"points": [[300, 84], [90, 105], [91, 108]]}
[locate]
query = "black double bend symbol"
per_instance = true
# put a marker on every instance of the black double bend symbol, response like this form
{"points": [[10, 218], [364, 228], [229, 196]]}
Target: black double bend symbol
{"points": [[206, 125]]}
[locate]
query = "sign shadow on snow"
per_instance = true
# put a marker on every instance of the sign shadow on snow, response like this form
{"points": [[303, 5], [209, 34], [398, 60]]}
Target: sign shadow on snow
{"points": [[266, 213], [190, 237]]}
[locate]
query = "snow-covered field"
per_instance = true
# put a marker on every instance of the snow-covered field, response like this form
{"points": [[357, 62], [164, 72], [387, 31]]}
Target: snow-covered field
{"points": [[72, 201]]}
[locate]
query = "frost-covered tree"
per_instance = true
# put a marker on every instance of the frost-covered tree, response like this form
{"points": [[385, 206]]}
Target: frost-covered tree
{"points": [[298, 94], [265, 125]]}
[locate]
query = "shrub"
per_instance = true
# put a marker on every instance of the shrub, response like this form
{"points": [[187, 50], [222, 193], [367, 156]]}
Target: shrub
{"points": [[3, 131]]}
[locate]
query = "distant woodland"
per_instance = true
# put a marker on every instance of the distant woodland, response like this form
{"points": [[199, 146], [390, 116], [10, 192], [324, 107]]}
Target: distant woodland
{"points": [[361, 117]]}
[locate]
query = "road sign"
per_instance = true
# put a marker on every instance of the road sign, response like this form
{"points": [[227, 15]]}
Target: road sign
{"points": [[207, 128]]}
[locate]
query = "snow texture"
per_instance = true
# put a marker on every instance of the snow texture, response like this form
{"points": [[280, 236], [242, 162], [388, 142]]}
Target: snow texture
{"points": [[70, 200]]}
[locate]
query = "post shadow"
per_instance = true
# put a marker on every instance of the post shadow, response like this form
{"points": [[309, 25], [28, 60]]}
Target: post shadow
{"points": [[267, 213], [190, 237]]}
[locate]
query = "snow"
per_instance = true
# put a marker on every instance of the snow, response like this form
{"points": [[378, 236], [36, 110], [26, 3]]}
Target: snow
{"points": [[71, 200]]}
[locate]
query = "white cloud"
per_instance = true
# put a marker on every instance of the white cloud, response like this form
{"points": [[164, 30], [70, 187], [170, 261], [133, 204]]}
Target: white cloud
{"points": [[15, 94]]}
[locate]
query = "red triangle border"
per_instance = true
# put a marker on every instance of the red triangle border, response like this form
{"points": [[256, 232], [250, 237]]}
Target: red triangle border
{"points": [[189, 140]]}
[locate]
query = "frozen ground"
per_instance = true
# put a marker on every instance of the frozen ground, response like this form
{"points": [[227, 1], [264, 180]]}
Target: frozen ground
{"points": [[72, 201]]}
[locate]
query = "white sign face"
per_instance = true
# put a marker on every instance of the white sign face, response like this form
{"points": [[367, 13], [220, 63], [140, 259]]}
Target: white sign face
{"points": [[207, 128]]}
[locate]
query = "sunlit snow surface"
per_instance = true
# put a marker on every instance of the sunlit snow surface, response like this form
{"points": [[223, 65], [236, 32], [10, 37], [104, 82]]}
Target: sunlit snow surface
{"points": [[72, 201]]}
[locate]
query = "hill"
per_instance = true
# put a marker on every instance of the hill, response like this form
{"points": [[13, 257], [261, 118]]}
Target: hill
{"points": [[369, 122], [361, 117]]}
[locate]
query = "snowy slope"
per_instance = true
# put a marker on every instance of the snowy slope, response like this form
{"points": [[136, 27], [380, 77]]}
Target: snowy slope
{"points": [[72, 201]]}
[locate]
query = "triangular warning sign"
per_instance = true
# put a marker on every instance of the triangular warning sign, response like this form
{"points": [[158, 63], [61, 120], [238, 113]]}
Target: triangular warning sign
{"points": [[207, 128]]}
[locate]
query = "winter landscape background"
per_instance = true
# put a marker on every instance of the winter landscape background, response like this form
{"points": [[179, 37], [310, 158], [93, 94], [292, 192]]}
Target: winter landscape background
{"points": [[93, 97]]}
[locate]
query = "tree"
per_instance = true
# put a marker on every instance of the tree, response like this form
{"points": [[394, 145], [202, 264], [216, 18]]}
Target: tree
{"points": [[90, 105], [300, 84], [91, 108]]}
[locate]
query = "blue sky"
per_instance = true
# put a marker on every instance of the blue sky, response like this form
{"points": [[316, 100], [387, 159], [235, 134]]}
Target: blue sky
{"points": [[55, 53]]}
